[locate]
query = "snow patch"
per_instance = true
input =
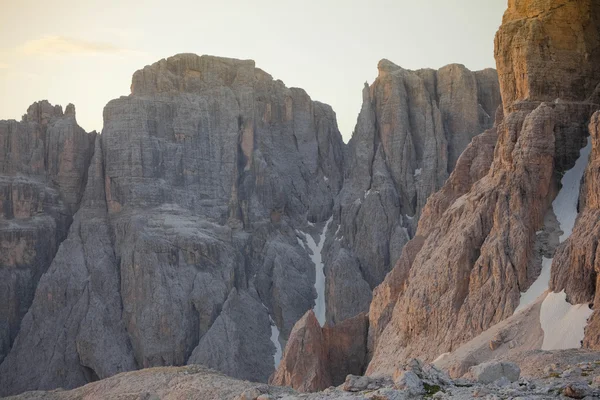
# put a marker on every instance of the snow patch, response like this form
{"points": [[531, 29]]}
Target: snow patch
{"points": [[316, 248], [562, 323], [565, 204], [326, 179], [418, 171], [275, 340], [538, 287]]}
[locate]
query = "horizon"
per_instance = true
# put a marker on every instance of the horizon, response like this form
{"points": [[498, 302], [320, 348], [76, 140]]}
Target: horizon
{"points": [[88, 64]]}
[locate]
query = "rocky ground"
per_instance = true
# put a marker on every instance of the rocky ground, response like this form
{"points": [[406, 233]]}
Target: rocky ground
{"points": [[540, 375]]}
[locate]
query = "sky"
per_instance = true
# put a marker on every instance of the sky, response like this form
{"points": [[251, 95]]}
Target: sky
{"points": [[85, 51]]}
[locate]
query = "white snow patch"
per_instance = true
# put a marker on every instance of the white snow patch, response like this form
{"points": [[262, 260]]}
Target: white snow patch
{"points": [[368, 192], [565, 204], [562, 323], [275, 340], [538, 232], [315, 248], [538, 287], [418, 171], [326, 179], [409, 217], [441, 357]]}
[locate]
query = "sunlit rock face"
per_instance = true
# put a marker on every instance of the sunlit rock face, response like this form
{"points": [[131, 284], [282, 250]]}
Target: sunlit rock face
{"points": [[43, 168], [411, 129], [481, 238], [186, 244]]}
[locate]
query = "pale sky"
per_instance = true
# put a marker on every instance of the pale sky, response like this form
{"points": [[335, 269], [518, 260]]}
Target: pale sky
{"points": [[85, 51]]}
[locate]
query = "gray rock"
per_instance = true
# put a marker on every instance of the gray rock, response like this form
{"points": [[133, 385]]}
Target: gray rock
{"points": [[492, 371], [356, 383], [203, 176], [577, 390], [571, 373], [408, 380], [73, 332], [411, 129], [247, 352], [43, 167]]}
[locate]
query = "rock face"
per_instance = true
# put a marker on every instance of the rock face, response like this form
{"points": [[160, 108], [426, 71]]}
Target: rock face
{"points": [[43, 168], [316, 358], [412, 127], [548, 49], [186, 242], [475, 248], [304, 363]]}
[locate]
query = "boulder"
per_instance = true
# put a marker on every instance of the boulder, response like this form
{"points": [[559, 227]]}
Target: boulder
{"points": [[494, 370]]}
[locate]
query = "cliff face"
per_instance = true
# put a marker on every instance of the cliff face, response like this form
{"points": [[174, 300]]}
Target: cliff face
{"points": [[186, 245], [548, 49], [478, 243], [412, 127], [43, 168]]}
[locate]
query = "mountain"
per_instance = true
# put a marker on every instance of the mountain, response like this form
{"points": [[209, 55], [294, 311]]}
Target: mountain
{"points": [[220, 220], [43, 172], [188, 244], [481, 240], [411, 129]]}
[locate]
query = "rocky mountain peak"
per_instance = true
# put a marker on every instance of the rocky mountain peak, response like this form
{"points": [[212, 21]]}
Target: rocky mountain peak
{"points": [[193, 73], [42, 112]]}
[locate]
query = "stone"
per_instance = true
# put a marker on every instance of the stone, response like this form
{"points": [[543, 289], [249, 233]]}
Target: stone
{"points": [[408, 380], [577, 390], [249, 394], [552, 369], [502, 382], [355, 383], [492, 371], [496, 342], [571, 373]]}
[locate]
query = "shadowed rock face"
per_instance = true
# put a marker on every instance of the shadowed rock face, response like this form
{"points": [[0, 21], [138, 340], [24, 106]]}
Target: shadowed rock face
{"points": [[43, 168], [475, 247], [412, 127], [186, 241]]}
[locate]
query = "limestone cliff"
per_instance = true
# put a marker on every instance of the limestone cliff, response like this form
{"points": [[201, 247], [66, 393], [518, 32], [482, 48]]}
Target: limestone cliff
{"points": [[477, 244], [186, 245], [412, 127], [43, 169]]}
